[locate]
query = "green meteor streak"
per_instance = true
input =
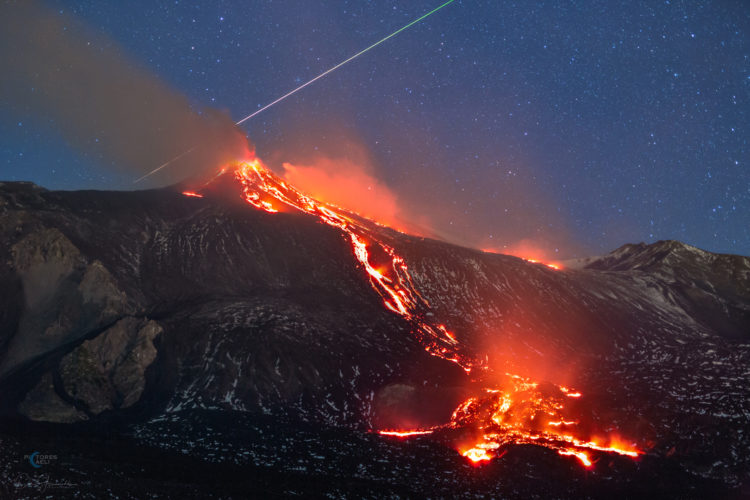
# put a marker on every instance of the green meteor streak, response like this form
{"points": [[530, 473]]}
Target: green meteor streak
{"points": [[164, 165], [342, 63]]}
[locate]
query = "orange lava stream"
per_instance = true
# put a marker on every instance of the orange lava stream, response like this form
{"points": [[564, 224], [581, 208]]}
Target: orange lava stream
{"points": [[517, 413], [264, 190], [551, 266], [579, 455], [192, 193], [522, 413], [406, 433]]}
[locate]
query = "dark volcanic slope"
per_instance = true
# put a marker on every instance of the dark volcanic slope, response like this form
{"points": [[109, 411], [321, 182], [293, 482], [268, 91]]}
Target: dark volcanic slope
{"points": [[237, 309], [151, 310]]}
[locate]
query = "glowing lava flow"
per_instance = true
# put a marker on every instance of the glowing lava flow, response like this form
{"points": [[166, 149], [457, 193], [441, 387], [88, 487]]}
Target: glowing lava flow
{"points": [[551, 266], [262, 189], [524, 413], [519, 412], [406, 433], [555, 266], [479, 453]]}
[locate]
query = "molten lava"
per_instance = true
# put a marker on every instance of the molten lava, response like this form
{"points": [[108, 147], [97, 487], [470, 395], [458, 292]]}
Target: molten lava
{"points": [[556, 267], [521, 413], [406, 433], [478, 454], [517, 412], [262, 189]]}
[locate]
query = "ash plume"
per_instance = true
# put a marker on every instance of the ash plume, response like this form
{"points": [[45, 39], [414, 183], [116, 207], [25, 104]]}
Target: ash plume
{"points": [[101, 101]]}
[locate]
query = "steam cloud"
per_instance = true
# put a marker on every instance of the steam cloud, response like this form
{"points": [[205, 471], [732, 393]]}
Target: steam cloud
{"points": [[104, 104]]}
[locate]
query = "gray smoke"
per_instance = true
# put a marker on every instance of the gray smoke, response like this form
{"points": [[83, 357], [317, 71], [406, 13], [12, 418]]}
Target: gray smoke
{"points": [[103, 103]]}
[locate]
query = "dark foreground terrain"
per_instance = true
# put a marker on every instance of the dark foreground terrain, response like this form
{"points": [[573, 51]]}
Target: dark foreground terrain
{"points": [[157, 345], [200, 454]]}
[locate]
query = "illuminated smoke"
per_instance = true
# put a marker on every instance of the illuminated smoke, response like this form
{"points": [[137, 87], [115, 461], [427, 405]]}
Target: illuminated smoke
{"points": [[349, 185], [102, 103]]}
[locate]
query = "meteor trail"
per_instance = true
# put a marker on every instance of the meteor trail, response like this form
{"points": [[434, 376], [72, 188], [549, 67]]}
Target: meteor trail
{"points": [[163, 165], [341, 63], [334, 68]]}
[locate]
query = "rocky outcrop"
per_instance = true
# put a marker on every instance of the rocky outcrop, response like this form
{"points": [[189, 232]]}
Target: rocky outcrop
{"points": [[66, 296], [104, 373], [43, 403]]}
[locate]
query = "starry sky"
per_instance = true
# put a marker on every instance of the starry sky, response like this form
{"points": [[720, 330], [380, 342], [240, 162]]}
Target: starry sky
{"points": [[573, 126]]}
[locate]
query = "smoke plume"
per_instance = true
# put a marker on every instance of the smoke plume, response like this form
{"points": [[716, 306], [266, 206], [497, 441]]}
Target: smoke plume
{"points": [[102, 102], [354, 186], [339, 169]]}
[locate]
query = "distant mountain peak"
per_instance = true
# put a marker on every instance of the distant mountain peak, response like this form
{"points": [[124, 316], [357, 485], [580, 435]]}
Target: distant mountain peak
{"points": [[647, 256]]}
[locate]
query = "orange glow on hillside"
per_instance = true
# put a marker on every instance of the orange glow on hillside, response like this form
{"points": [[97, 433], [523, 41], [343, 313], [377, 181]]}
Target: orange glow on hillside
{"points": [[552, 265], [530, 251]]}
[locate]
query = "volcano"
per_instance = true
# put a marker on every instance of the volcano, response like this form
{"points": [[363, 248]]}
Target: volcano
{"points": [[235, 337]]}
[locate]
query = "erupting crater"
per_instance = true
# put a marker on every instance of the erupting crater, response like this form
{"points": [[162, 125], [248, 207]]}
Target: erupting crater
{"points": [[516, 411]]}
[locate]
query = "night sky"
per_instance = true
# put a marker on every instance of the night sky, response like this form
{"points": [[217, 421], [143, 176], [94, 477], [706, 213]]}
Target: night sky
{"points": [[571, 126]]}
